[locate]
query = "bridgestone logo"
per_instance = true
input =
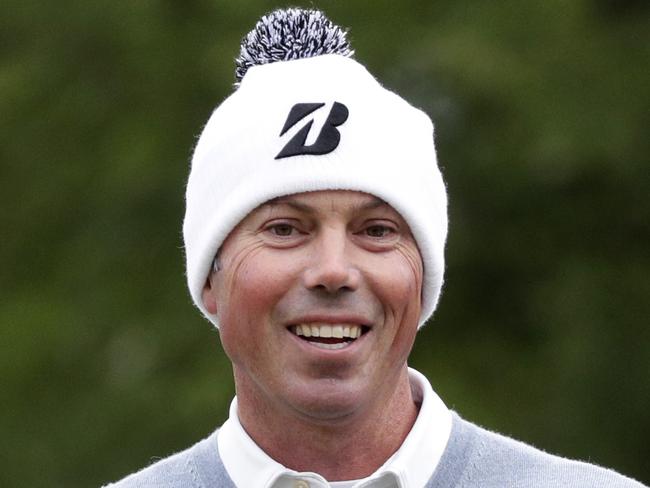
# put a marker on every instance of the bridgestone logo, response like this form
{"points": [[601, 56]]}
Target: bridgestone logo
{"points": [[329, 136]]}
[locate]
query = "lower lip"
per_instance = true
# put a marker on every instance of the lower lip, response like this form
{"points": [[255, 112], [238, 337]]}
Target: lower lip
{"points": [[331, 347]]}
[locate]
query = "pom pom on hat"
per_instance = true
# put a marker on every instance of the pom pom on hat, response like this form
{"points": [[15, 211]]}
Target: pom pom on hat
{"points": [[287, 34]]}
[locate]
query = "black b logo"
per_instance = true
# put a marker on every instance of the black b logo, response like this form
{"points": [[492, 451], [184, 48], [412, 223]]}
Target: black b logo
{"points": [[329, 136]]}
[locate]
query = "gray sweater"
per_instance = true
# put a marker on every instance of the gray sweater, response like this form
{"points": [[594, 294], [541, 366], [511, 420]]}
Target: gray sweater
{"points": [[473, 458]]}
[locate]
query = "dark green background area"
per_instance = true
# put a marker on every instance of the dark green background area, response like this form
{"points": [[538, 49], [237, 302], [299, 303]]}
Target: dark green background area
{"points": [[541, 110]]}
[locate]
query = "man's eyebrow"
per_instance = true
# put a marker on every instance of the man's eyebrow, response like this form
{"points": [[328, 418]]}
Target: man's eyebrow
{"points": [[289, 202], [375, 202]]}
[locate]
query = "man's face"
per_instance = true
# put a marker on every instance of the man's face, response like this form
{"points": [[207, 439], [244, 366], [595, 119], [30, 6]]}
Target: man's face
{"points": [[318, 299]]}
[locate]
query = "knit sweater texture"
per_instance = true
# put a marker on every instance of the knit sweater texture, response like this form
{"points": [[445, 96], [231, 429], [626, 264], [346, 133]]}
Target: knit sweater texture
{"points": [[473, 458]]}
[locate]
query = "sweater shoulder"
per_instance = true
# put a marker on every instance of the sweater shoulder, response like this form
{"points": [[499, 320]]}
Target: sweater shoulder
{"points": [[490, 459], [199, 466]]}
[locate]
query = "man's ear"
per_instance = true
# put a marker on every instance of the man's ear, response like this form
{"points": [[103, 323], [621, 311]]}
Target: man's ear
{"points": [[208, 296]]}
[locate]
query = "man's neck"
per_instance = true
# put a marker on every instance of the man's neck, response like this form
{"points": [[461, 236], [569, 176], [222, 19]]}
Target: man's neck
{"points": [[346, 448]]}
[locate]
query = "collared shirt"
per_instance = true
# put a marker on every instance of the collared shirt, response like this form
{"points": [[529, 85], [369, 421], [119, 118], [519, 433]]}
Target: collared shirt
{"points": [[410, 467]]}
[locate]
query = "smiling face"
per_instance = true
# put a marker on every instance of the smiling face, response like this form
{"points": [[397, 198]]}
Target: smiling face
{"points": [[318, 298]]}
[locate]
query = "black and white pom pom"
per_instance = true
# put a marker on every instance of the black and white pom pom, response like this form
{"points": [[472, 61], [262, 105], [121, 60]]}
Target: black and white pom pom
{"points": [[291, 33]]}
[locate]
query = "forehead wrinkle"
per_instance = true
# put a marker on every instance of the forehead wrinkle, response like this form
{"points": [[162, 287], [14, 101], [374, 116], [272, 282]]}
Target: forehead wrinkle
{"points": [[371, 202]]}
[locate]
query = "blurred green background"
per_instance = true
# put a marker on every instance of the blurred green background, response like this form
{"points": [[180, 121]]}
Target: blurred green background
{"points": [[542, 111]]}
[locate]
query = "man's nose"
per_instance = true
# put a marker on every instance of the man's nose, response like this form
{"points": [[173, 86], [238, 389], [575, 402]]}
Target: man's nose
{"points": [[331, 267]]}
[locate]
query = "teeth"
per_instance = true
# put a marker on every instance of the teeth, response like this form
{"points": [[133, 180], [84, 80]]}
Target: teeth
{"points": [[338, 331]]}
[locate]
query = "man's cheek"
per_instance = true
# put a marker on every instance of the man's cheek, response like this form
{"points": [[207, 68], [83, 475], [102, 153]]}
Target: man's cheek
{"points": [[267, 275]]}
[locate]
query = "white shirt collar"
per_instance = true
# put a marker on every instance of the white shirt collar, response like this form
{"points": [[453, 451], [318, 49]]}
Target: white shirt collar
{"points": [[410, 467]]}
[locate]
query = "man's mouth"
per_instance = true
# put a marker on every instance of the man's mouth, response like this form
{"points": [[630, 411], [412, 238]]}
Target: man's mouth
{"points": [[329, 336]]}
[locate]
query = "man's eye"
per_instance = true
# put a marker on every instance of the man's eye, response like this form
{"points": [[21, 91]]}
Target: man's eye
{"points": [[378, 231], [282, 230]]}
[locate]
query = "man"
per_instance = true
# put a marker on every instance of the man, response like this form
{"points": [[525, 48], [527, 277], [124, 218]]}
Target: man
{"points": [[315, 229]]}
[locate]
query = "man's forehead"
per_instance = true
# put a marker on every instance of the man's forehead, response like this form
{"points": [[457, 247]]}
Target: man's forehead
{"points": [[313, 201]]}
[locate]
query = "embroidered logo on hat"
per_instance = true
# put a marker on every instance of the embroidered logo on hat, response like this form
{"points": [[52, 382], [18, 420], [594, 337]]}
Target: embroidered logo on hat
{"points": [[329, 137]]}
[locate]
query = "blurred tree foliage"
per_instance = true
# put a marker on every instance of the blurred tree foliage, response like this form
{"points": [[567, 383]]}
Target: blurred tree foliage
{"points": [[541, 111]]}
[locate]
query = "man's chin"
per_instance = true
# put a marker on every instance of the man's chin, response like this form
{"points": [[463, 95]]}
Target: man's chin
{"points": [[329, 401]]}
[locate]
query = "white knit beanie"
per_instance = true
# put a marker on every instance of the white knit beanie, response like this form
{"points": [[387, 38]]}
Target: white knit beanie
{"points": [[316, 123]]}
